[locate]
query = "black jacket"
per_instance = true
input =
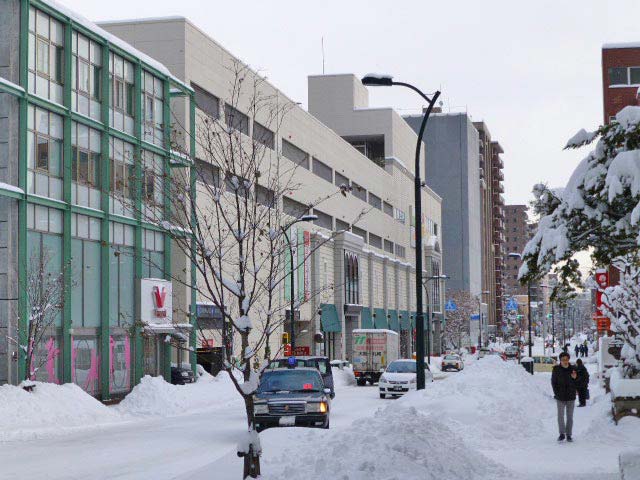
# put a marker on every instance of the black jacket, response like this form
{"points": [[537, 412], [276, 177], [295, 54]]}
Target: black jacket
{"points": [[564, 387], [583, 377]]}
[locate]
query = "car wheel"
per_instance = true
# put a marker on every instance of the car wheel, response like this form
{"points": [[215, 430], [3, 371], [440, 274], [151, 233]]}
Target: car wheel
{"points": [[361, 382], [326, 425], [382, 395]]}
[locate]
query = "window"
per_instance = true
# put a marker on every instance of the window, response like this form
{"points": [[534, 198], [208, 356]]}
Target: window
{"points": [[265, 196], [44, 153], [85, 165], [341, 180], [293, 208], [360, 232], [388, 246], [207, 102], [323, 220], [359, 192], [624, 76], [264, 136], [342, 225], [400, 251], [435, 229], [207, 173], [387, 208], [351, 279], [46, 56], [153, 109], [152, 185], [400, 215], [236, 119], [375, 201], [322, 170], [375, 240], [122, 110], [87, 76], [122, 176], [296, 155], [44, 219]]}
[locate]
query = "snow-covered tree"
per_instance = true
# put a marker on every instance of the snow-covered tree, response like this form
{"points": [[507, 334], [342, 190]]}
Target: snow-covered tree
{"points": [[227, 219], [598, 210], [456, 329]]}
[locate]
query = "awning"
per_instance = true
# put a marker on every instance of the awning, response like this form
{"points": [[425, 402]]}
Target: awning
{"points": [[179, 331], [405, 323], [394, 324], [365, 319], [380, 320], [329, 318]]}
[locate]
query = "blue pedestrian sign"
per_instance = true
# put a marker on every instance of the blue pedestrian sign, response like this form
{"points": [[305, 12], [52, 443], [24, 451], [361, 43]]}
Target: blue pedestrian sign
{"points": [[450, 306], [512, 304]]}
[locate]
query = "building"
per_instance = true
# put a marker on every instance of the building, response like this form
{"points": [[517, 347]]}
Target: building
{"points": [[80, 170], [620, 77], [517, 234], [370, 263]]}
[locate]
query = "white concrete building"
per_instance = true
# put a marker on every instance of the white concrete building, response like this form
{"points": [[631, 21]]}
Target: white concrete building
{"points": [[370, 265]]}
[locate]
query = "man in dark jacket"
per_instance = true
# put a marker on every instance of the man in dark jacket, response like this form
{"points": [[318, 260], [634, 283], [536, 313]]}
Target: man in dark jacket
{"points": [[577, 349], [564, 384], [583, 383]]}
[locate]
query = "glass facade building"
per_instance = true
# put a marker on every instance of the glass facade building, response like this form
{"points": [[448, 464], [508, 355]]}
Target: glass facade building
{"points": [[85, 169]]}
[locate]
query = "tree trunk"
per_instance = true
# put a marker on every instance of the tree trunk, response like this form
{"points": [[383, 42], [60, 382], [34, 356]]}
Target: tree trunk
{"points": [[251, 467]]}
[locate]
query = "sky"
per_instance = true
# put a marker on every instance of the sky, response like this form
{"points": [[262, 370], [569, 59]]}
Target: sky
{"points": [[530, 70]]}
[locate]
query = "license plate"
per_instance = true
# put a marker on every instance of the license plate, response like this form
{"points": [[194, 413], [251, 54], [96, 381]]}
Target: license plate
{"points": [[287, 421], [398, 389]]}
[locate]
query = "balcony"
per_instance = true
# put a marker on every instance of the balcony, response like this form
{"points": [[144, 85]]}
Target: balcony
{"points": [[498, 212], [497, 160], [371, 147]]}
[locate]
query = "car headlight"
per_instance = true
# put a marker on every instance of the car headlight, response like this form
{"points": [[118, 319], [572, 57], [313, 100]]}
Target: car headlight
{"points": [[260, 408], [383, 378], [317, 407]]}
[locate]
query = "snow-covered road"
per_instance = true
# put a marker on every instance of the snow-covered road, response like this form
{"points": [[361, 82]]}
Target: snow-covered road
{"points": [[491, 421]]}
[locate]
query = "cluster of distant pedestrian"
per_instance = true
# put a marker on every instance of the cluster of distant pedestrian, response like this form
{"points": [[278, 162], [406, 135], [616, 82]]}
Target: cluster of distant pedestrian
{"points": [[567, 381]]}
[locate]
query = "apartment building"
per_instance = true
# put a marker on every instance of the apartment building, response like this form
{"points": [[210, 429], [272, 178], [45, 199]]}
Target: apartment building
{"points": [[620, 77], [517, 233], [370, 263]]}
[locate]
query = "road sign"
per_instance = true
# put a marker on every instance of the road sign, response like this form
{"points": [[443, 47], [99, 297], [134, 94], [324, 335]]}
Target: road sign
{"points": [[512, 304], [475, 316], [450, 306]]}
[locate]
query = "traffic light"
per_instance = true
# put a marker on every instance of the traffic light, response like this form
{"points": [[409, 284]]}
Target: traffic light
{"points": [[549, 316], [285, 338]]}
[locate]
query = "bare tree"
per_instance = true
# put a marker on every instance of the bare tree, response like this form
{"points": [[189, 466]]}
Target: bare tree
{"points": [[227, 219], [45, 288], [456, 329]]}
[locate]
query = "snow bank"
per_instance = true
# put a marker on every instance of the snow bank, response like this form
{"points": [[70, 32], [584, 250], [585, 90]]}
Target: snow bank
{"points": [[153, 396], [623, 387], [630, 465], [49, 410], [398, 442], [344, 377]]}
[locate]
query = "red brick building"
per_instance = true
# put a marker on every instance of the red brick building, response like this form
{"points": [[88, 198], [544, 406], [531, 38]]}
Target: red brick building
{"points": [[620, 77]]}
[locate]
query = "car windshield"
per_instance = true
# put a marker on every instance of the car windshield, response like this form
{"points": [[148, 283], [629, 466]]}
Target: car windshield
{"points": [[320, 364], [402, 367], [290, 381], [451, 357]]}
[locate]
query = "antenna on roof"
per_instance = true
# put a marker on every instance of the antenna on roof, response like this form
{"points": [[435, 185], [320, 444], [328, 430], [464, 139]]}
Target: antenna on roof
{"points": [[322, 44]]}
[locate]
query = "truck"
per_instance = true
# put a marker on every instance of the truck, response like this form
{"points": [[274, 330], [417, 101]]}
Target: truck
{"points": [[373, 350]]}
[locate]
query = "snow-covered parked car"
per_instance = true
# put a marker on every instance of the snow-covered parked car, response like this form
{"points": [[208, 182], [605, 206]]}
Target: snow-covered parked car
{"points": [[400, 377], [291, 397], [181, 375], [338, 363], [452, 361], [512, 351]]}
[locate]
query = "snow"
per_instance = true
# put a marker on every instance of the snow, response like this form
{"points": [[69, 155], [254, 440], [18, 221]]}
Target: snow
{"points": [[243, 323], [8, 186], [247, 440], [623, 387], [581, 138], [624, 171], [380, 76], [628, 117], [630, 464], [343, 377], [6, 82], [89, 25], [374, 330]]}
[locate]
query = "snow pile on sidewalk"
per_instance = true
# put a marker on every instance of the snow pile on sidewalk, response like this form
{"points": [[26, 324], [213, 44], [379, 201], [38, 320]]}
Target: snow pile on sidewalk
{"points": [[153, 396], [343, 377], [397, 443], [49, 410]]}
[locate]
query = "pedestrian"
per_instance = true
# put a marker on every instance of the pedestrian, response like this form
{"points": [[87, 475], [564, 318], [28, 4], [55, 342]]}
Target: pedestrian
{"points": [[583, 383], [586, 349], [577, 349], [564, 384]]}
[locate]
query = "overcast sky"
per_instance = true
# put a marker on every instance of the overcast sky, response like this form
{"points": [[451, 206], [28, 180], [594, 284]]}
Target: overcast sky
{"points": [[530, 70]]}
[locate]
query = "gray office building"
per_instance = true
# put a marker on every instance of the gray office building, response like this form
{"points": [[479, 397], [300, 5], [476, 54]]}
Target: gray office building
{"points": [[452, 171]]}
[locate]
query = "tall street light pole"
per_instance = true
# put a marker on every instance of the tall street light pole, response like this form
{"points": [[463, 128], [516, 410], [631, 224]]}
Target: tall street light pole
{"points": [[519, 255], [387, 81], [304, 218]]}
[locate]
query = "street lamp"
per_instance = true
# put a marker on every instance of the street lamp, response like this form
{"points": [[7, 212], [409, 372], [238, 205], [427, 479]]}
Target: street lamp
{"points": [[303, 218], [376, 80], [519, 255], [442, 276]]}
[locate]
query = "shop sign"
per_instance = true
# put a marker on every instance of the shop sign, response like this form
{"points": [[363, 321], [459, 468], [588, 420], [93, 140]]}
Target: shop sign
{"points": [[156, 301]]}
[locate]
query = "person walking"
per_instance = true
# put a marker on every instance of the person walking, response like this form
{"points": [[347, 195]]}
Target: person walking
{"points": [[577, 349], [564, 384], [586, 349], [583, 383]]}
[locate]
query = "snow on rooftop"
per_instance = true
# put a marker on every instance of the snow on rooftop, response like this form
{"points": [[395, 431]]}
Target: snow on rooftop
{"points": [[89, 25], [608, 46], [11, 188]]}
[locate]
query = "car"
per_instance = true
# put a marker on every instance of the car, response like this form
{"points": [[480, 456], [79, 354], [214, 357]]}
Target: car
{"points": [[340, 364], [291, 397], [452, 361], [320, 363], [512, 351], [483, 351], [181, 375], [543, 363], [400, 377]]}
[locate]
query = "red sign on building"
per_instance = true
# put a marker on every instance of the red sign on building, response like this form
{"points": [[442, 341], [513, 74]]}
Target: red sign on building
{"points": [[302, 351]]}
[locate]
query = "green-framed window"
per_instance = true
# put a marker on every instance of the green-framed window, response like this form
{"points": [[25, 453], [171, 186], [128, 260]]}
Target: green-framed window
{"points": [[153, 185], [122, 179], [46, 56], [44, 153], [85, 165], [122, 99], [153, 254], [121, 275], [86, 76], [152, 109]]}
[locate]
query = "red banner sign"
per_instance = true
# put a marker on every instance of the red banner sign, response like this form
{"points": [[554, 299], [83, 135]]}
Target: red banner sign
{"points": [[302, 351]]}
